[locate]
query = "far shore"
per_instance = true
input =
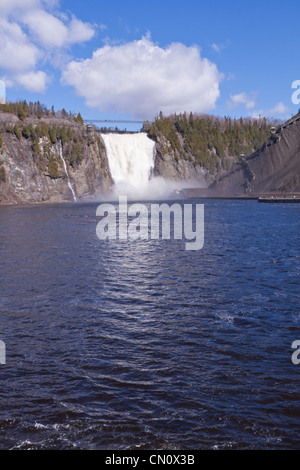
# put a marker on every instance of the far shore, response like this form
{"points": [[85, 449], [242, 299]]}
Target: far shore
{"points": [[192, 195]]}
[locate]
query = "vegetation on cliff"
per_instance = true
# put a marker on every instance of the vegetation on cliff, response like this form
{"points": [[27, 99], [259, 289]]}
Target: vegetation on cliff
{"points": [[211, 142], [273, 168], [189, 147], [30, 140], [22, 109], [46, 132]]}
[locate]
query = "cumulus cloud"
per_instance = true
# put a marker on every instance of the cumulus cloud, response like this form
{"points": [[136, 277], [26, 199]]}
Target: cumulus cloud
{"points": [[79, 31], [17, 53], [33, 81], [9, 6], [45, 28], [142, 79], [50, 31], [278, 110], [241, 99], [31, 35]]}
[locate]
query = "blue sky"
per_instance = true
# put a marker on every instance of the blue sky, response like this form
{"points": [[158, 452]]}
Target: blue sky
{"points": [[131, 59]]}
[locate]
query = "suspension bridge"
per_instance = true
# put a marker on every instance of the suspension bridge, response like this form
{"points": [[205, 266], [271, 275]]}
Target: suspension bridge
{"points": [[111, 121], [119, 125]]}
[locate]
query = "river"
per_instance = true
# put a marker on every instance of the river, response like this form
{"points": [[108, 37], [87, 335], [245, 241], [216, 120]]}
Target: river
{"points": [[144, 345]]}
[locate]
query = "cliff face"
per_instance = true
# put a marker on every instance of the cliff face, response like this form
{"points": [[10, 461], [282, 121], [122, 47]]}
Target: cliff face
{"points": [[170, 167], [274, 168], [33, 152], [31, 167]]}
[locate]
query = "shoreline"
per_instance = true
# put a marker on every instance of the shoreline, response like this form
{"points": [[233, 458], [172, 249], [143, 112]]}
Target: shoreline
{"points": [[259, 198]]}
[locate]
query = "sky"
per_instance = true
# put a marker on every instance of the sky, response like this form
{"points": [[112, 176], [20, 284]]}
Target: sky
{"points": [[132, 59]]}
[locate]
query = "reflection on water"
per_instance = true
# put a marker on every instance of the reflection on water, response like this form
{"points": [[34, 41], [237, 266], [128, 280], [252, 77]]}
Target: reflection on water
{"points": [[141, 344]]}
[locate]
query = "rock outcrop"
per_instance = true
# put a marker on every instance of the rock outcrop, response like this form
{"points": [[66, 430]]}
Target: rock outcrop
{"points": [[170, 167], [32, 168], [274, 168], [33, 171]]}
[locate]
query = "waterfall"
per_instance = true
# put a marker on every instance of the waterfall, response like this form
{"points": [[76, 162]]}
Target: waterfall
{"points": [[67, 173], [131, 162]]}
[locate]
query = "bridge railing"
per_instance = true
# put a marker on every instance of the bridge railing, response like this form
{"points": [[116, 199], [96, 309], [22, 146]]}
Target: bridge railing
{"points": [[119, 121], [94, 122]]}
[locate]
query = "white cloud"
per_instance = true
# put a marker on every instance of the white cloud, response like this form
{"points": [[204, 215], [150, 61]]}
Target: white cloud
{"points": [[278, 110], [80, 31], [141, 78], [17, 53], [31, 35], [13, 6], [50, 3], [258, 114], [33, 81], [50, 31], [217, 47], [241, 99], [46, 29]]}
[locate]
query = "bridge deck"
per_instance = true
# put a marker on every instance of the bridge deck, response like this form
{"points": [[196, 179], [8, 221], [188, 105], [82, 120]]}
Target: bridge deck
{"points": [[120, 121]]}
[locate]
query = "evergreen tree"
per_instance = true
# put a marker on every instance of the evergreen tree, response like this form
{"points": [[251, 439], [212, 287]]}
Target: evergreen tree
{"points": [[79, 119]]}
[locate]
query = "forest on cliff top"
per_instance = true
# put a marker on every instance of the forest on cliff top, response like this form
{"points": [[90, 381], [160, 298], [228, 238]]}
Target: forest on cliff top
{"points": [[211, 142]]}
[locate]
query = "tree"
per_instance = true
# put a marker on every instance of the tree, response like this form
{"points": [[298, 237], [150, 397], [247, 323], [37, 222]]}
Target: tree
{"points": [[21, 112], [53, 168], [53, 135], [79, 119], [26, 132], [36, 146], [2, 174], [64, 113], [39, 110], [62, 135], [17, 132]]}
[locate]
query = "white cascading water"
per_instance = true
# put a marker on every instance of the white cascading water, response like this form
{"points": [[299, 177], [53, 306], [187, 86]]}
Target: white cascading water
{"points": [[131, 163], [67, 173]]}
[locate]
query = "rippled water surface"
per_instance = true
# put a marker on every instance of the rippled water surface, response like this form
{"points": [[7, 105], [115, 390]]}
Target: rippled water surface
{"points": [[143, 345]]}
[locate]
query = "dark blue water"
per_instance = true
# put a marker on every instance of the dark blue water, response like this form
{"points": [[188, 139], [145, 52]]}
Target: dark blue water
{"points": [[143, 345]]}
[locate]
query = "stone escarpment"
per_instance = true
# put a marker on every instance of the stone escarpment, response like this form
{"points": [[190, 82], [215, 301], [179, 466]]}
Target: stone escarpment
{"points": [[31, 167], [274, 168], [40, 158], [170, 167]]}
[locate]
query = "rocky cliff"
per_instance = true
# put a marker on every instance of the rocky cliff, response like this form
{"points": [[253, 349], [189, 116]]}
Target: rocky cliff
{"points": [[35, 153], [31, 165], [202, 148], [274, 168], [171, 167]]}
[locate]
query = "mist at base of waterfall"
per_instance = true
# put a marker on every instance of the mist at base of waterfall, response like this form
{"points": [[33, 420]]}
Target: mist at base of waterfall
{"points": [[131, 163], [156, 188]]}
